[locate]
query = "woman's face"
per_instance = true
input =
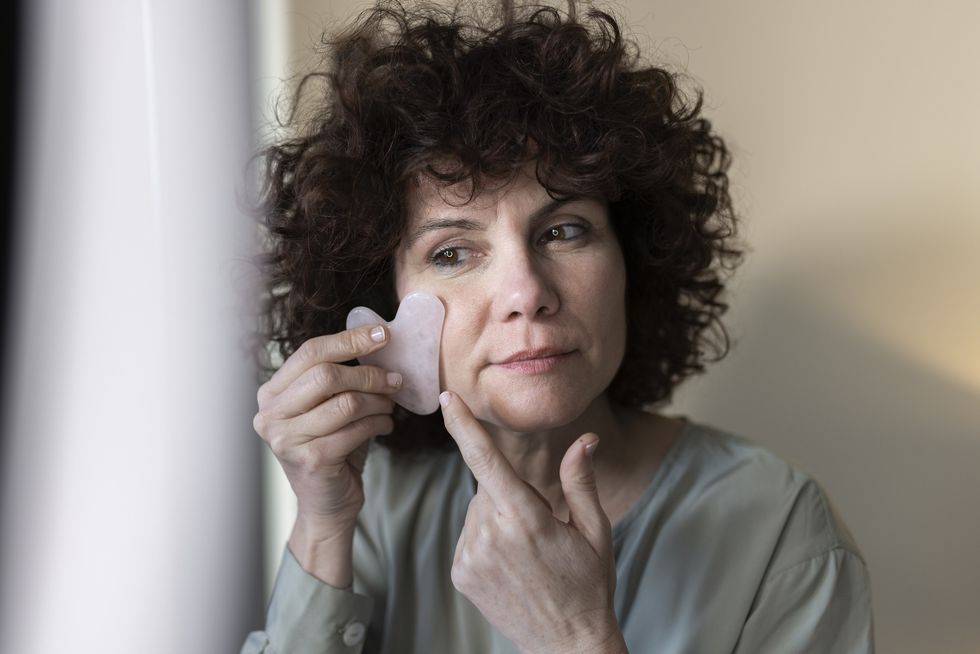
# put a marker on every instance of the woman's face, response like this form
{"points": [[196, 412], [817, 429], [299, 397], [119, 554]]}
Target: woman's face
{"points": [[534, 291]]}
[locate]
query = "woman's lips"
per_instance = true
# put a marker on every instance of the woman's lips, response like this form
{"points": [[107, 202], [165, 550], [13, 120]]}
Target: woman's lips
{"points": [[532, 363]]}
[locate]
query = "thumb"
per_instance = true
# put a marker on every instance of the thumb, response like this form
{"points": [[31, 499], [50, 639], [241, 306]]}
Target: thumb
{"points": [[578, 484]]}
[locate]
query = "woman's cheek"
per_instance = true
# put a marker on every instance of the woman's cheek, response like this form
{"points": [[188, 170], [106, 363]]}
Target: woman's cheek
{"points": [[460, 354], [450, 357]]}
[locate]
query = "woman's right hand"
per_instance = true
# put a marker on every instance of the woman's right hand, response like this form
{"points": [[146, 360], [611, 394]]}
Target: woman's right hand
{"points": [[318, 416]]}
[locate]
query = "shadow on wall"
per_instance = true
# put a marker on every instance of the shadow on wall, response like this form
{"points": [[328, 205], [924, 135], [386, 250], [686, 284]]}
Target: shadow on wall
{"points": [[895, 444]]}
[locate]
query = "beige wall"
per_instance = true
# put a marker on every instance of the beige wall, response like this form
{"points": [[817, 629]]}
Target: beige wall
{"points": [[857, 315]]}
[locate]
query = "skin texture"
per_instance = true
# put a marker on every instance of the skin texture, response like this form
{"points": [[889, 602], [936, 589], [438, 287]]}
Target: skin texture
{"points": [[516, 286], [545, 584], [523, 279], [317, 417]]}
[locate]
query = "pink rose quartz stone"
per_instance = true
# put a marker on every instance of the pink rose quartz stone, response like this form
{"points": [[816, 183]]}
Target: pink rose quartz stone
{"points": [[412, 349]]}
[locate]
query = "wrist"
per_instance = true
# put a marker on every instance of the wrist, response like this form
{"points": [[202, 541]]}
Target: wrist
{"points": [[614, 644], [325, 554], [600, 637]]}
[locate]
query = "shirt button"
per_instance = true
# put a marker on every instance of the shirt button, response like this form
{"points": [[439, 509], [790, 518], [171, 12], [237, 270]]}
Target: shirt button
{"points": [[353, 634]]}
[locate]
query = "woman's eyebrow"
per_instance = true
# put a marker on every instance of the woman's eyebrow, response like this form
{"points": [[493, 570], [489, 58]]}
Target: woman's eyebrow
{"points": [[550, 208], [442, 223], [472, 225]]}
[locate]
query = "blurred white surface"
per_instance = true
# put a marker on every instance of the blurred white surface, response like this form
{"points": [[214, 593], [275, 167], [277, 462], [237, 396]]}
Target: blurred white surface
{"points": [[130, 480]]}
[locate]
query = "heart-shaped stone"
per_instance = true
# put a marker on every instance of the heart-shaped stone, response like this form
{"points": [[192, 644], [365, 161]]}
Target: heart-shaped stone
{"points": [[412, 349]]}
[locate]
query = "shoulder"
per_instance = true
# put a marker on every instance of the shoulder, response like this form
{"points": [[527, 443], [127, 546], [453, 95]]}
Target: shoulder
{"points": [[732, 535], [751, 488], [806, 585]]}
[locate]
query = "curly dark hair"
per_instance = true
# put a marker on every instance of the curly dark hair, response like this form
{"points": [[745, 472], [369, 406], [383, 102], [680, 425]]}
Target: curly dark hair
{"points": [[406, 87]]}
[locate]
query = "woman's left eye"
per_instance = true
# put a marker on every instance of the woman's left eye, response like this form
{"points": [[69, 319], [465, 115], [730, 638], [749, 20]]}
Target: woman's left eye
{"points": [[563, 232], [448, 257]]}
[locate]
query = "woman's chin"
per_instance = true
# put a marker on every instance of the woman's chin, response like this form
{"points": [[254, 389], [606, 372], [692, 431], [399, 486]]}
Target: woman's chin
{"points": [[528, 417]]}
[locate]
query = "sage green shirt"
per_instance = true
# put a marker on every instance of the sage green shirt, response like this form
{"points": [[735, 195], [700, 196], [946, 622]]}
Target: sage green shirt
{"points": [[729, 549]]}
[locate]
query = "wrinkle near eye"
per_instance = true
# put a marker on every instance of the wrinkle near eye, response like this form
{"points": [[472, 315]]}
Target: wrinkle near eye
{"points": [[442, 224]]}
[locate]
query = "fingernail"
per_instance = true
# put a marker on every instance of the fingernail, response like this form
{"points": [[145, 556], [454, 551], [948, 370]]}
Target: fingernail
{"points": [[590, 448], [394, 379], [378, 334], [444, 398]]}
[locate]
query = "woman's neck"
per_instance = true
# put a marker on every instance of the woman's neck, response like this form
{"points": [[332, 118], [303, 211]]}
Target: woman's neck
{"points": [[537, 456]]}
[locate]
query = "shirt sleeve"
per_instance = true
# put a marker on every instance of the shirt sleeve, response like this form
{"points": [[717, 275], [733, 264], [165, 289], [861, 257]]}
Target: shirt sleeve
{"points": [[307, 616], [821, 605]]}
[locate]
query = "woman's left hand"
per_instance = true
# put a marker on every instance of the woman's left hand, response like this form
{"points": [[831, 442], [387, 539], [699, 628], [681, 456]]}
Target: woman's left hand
{"points": [[545, 584]]}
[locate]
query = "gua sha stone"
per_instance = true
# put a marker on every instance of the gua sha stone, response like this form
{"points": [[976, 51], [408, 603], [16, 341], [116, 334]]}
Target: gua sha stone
{"points": [[412, 349]]}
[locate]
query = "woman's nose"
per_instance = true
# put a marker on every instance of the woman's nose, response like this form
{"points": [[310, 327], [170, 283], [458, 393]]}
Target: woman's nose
{"points": [[524, 288]]}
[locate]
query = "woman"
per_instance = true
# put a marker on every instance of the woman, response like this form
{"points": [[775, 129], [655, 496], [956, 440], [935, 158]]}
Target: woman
{"points": [[570, 209]]}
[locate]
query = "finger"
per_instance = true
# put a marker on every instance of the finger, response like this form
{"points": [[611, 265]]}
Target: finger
{"points": [[493, 472], [345, 444], [457, 573], [358, 457], [578, 484], [544, 501], [324, 380], [330, 348], [336, 413], [475, 517]]}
